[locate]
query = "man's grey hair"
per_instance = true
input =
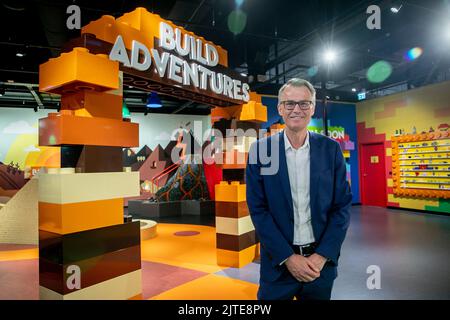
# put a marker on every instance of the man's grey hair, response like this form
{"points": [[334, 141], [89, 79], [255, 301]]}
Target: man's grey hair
{"points": [[297, 82]]}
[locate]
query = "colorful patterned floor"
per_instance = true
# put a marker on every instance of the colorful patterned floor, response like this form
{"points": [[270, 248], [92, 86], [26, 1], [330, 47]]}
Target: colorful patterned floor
{"points": [[180, 263], [411, 249]]}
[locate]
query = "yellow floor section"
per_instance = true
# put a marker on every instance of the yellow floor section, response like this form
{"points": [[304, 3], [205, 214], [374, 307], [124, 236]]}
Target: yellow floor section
{"points": [[196, 252], [19, 254], [211, 287]]}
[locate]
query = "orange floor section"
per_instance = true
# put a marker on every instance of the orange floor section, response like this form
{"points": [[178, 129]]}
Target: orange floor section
{"points": [[211, 287], [19, 254], [196, 252]]}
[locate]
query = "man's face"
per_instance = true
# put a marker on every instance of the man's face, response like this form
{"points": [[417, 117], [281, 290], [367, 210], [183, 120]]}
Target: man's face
{"points": [[296, 119]]}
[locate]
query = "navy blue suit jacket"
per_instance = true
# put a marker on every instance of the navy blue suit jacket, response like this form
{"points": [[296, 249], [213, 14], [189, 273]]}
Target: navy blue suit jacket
{"points": [[270, 202]]}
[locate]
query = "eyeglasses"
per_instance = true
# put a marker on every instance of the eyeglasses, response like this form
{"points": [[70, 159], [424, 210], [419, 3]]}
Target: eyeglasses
{"points": [[303, 104]]}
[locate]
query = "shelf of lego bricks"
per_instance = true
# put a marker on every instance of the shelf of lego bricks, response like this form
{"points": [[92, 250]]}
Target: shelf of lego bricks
{"points": [[81, 220], [421, 165], [236, 240]]}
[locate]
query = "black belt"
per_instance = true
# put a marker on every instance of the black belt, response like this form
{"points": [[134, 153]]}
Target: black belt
{"points": [[305, 250]]}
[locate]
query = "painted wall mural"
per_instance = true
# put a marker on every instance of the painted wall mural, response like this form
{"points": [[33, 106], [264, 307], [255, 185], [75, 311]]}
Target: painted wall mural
{"points": [[21, 156]]}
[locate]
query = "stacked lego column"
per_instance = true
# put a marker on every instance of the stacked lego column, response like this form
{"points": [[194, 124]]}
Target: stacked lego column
{"points": [[237, 244], [86, 251]]}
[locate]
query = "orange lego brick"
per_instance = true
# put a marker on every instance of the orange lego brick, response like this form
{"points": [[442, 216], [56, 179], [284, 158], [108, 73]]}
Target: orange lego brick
{"points": [[78, 70], [232, 159], [253, 111], [255, 97], [93, 104], [142, 26], [148, 23], [218, 113], [65, 128], [233, 192], [75, 217], [237, 259], [107, 28], [277, 126]]}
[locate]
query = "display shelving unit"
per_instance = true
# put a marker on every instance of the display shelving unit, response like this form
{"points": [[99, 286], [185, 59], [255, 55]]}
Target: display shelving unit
{"points": [[421, 165]]}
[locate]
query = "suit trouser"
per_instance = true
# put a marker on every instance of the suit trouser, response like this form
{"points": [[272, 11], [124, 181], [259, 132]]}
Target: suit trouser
{"points": [[287, 287]]}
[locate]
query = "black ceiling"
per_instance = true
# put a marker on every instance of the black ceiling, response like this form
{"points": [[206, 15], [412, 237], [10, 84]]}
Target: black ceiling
{"points": [[289, 34]]}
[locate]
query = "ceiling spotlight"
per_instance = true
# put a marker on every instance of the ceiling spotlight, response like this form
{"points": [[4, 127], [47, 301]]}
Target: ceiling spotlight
{"points": [[20, 54], [396, 9], [353, 89], [330, 56], [153, 101]]}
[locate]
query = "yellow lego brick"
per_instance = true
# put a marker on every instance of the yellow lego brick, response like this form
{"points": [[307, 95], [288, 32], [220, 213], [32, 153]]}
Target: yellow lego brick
{"points": [[237, 259], [120, 288], [233, 192], [78, 70], [255, 97], [253, 111], [61, 188], [234, 226]]}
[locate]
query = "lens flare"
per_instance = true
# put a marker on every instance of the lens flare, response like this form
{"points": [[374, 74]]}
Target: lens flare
{"points": [[413, 54], [379, 72], [313, 71], [237, 20]]}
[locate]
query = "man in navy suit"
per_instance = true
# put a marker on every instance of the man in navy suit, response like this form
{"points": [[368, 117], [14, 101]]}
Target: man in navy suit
{"points": [[299, 202]]}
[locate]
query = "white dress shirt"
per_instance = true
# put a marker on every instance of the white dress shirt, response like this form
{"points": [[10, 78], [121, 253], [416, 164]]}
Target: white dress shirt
{"points": [[298, 163]]}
